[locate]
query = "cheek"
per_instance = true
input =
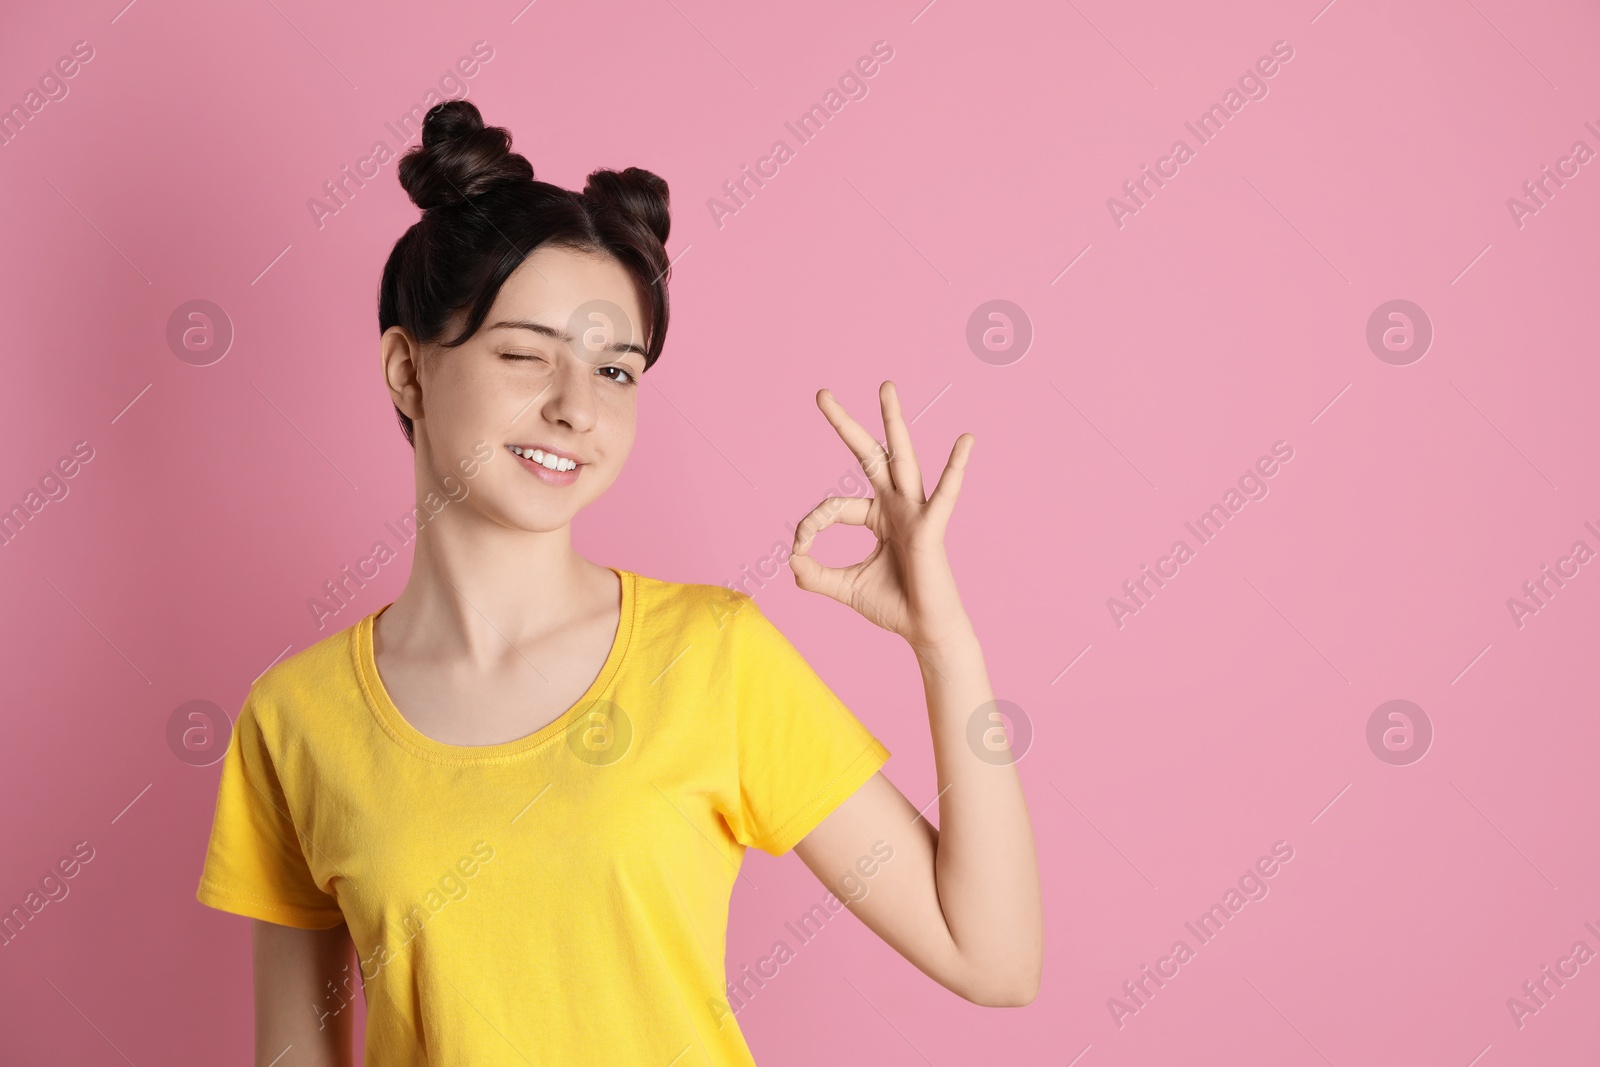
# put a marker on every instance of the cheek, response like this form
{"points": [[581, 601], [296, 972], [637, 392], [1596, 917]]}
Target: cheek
{"points": [[622, 425], [617, 450], [448, 395], [474, 397], [460, 414]]}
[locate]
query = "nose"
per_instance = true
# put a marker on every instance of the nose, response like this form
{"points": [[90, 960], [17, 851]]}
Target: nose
{"points": [[570, 400]]}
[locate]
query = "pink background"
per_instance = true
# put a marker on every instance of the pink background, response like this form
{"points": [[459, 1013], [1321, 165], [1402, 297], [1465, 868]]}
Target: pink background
{"points": [[1227, 314]]}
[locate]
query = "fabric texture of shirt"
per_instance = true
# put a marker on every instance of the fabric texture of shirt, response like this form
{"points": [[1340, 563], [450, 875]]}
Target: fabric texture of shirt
{"points": [[557, 899]]}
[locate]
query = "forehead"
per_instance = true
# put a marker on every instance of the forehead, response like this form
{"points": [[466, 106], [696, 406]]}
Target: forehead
{"points": [[562, 287]]}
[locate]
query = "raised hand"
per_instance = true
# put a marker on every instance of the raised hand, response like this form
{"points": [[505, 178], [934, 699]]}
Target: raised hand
{"points": [[905, 584]]}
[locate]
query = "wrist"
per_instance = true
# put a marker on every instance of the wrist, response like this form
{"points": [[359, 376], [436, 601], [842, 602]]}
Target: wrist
{"points": [[951, 639]]}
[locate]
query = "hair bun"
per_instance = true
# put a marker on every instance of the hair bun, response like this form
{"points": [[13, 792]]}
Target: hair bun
{"points": [[459, 157], [637, 194]]}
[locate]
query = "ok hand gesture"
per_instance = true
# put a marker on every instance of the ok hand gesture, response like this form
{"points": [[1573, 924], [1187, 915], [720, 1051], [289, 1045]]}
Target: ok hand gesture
{"points": [[905, 584]]}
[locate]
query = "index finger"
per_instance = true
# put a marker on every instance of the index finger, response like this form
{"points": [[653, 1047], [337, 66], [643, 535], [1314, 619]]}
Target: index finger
{"points": [[867, 450]]}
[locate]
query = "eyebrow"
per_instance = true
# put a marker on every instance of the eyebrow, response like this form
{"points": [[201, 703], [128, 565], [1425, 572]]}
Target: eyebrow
{"points": [[562, 336]]}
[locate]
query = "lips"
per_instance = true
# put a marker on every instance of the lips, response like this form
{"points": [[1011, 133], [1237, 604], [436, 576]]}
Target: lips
{"points": [[525, 454], [549, 450]]}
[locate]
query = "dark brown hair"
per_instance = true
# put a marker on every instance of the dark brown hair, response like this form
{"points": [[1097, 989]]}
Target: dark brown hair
{"points": [[483, 213]]}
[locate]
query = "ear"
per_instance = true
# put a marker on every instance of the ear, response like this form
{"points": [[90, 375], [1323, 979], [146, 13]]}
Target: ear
{"points": [[401, 357]]}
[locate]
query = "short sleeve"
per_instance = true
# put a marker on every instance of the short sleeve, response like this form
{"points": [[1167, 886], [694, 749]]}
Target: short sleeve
{"points": [[255, 864], [801, 751]]}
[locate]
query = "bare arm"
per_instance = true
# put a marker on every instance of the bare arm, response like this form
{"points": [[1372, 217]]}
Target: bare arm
{"points": [[961, 902], [295, 1008]]}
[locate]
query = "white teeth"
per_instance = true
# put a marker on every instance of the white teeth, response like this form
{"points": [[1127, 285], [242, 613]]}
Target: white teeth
{"points": [[550, 462]]}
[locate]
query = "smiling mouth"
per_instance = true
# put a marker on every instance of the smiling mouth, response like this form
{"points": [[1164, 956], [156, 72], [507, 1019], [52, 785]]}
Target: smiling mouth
{"points": [[547, 460]]}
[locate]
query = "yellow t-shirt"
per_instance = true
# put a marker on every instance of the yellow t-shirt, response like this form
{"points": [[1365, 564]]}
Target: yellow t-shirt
{"points": [[557, 899]]}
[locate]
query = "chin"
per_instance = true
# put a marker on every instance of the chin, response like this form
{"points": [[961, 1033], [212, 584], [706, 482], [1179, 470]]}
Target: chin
{"points": [[539, 520]]}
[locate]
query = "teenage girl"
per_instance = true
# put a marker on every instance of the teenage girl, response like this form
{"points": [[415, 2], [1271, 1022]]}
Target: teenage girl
{"points": [[509, 807]]}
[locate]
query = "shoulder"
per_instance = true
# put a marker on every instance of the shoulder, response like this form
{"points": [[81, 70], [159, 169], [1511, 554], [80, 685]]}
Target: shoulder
{"points": [[690, 607], [726, 621], [314, 677], [739, 658]]}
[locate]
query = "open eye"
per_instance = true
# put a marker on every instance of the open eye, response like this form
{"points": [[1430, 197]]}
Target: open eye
{"points": [[627, 375]]}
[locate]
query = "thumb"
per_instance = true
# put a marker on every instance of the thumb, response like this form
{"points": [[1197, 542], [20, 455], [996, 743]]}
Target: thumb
{"points": [[815, 578]]}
